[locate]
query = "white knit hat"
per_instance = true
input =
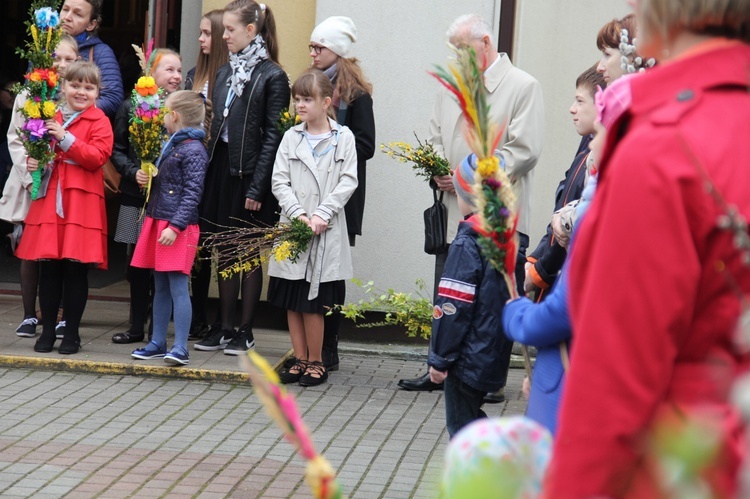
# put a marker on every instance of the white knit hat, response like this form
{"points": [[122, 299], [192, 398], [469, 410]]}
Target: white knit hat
{"points": [[337, 33]]}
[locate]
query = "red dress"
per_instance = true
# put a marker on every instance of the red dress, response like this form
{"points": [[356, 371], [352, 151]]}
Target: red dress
{"points": [[81, 233], [660, 343]]}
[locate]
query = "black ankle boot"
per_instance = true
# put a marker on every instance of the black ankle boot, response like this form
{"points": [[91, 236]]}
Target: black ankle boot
{"points": [[71, 343], [46, 342]]}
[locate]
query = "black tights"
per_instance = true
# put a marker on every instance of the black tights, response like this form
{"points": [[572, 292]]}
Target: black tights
{"points": [[140, 297], [29, 286], [229, 290], [200, 283], [63, 280]]}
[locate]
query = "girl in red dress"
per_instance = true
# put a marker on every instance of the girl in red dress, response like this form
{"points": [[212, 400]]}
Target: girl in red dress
{"points": [[66, 227]]}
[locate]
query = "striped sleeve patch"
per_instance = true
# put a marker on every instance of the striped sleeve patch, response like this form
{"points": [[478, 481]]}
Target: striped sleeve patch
{"points": [[457, 290]]}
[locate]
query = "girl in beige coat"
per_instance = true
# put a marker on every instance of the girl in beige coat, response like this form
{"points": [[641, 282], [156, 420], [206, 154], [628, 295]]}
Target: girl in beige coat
{"points": [[314, 175]]}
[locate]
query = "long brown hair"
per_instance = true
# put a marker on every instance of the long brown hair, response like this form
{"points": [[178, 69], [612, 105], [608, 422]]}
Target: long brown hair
{"points": [[208, 64], [350, 80], [250, 12]]}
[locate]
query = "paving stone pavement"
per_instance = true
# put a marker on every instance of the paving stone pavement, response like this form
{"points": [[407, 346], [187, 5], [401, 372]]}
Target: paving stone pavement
{"points": [[68, 434]]}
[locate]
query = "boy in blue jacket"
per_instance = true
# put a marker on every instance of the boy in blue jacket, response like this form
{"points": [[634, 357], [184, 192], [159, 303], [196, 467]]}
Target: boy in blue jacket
{"points": [[469, 352]]}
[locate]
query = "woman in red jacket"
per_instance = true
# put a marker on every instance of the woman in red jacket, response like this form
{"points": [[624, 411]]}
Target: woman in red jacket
{"points": [[66, 227], [662, 343]]}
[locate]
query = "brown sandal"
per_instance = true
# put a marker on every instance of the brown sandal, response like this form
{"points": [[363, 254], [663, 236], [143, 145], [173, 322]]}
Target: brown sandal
{"points": [[315, 374]]}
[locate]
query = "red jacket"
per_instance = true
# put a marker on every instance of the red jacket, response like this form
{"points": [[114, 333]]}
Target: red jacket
{"points": [[661, 342]]}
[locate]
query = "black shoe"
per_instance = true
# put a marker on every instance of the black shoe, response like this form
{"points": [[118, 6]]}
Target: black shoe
{"points": [[217, 339], [315, 374], [420, 384], [198, 331], [69, 346], [27, 329], [495, 397], [128, 337], [293, 373], [45, 343], [331, 359], [241, 343], [288, 363]]}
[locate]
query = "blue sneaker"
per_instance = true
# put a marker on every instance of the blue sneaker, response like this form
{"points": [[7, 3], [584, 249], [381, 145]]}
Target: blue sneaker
{"points": [[177, 357], [152, 351]]}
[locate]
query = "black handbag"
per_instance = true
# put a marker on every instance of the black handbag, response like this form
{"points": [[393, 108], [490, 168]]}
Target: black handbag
{"points": [[436, 226]]}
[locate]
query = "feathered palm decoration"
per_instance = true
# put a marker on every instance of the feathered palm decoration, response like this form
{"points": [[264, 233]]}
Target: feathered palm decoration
{"points": [[497, 216], [282, 409]]}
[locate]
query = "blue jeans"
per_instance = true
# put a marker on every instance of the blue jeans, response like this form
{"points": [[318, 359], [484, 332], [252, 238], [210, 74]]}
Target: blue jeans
{"points": [[463, 404]]}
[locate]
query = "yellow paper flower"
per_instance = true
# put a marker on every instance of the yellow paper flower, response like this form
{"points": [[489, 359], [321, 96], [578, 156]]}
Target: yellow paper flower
{"points": [[31, 109], [487, 167], [49, 109], [146, 85]]}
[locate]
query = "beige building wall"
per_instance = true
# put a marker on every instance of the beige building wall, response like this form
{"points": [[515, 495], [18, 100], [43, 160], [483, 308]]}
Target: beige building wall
{"points": [[295, 20]]}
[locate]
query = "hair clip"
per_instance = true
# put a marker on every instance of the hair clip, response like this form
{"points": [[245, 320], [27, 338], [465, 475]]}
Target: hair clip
{"points": [[202, 97], [263, 7]]}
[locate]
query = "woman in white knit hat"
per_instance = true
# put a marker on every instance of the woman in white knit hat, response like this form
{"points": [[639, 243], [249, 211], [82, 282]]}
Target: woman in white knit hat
{"points": [[330, 44]]}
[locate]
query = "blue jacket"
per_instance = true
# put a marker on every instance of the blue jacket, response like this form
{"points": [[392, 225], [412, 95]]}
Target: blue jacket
{"points": [[110, 94], [177, 189], [543, 325], [467, 331]]}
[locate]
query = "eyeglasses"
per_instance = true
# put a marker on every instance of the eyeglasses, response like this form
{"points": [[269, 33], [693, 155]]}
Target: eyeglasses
{"points": [[315, 48]]}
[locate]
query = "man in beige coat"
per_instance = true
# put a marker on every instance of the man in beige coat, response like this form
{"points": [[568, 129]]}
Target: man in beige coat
{"points": [[515, 98]]}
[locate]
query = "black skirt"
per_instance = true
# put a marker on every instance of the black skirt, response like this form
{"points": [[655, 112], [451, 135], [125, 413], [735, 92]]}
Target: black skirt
{"points": [[223, 202], [292, 295]]}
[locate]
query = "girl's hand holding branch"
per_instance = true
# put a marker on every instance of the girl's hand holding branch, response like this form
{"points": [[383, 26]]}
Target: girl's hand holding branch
{"points": [[32, 164], [141, 177], [55, 129]]}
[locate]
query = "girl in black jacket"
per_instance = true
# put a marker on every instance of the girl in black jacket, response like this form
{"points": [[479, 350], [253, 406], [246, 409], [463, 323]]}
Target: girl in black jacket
{"points": [[249, 94]]}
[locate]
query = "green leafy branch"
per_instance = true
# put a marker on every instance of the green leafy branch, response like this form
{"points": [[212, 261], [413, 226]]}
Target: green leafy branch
{"points": [[401, 309]]}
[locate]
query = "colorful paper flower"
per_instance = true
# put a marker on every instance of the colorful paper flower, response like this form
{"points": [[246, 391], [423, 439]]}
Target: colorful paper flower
{"points": [[49, 109], [31, 109], [36, 129], [46, 18], [146, 85]]}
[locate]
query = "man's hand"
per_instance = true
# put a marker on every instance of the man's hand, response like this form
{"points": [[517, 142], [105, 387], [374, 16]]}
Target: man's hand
{"points": [[444, 183]]}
